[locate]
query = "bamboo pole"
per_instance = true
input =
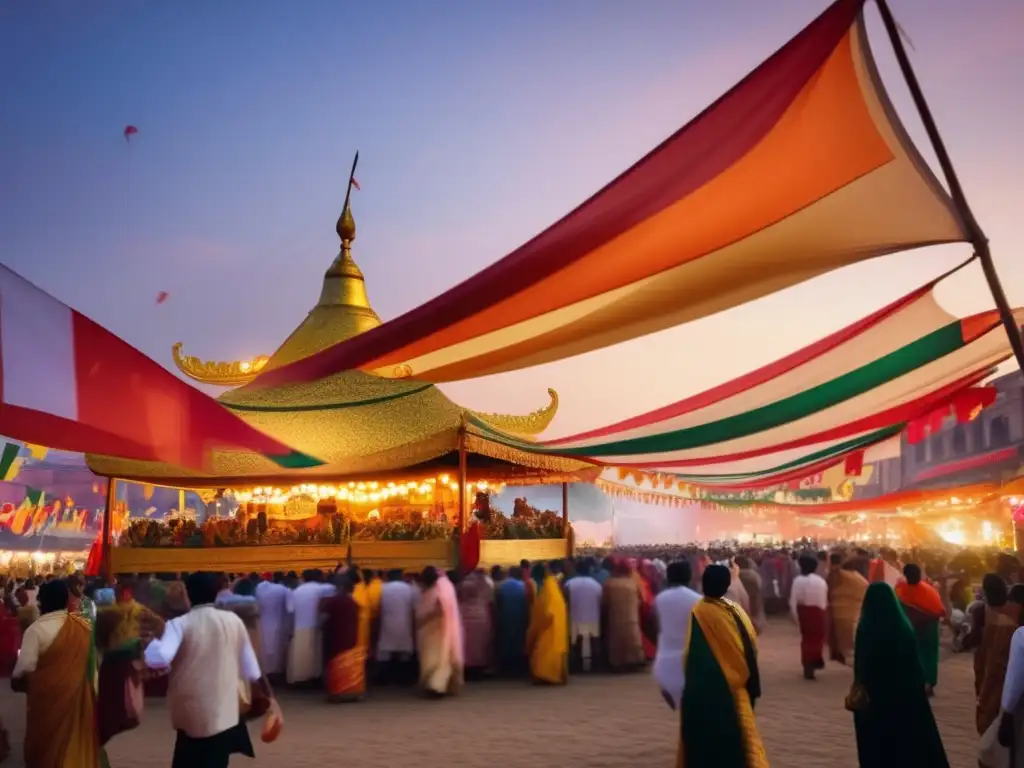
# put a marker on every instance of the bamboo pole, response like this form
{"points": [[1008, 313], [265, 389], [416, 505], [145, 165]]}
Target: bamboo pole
{"points": [[956, 192]]}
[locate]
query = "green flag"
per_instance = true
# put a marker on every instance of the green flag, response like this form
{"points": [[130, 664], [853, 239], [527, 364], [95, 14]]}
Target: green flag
{"points": [[11, 451]]}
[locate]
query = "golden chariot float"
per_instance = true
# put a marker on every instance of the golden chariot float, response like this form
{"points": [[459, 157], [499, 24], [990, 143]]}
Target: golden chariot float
{"points": [[403, 466]]}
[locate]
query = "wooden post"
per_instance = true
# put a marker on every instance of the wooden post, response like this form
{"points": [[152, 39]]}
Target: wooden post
{"points": [[956, 192], [463, 522], [106, 561], [565, 509]]}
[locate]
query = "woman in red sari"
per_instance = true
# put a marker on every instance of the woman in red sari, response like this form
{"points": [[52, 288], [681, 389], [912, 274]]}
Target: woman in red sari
{"points": [[345, 657], [10, 637], [644, 576]]}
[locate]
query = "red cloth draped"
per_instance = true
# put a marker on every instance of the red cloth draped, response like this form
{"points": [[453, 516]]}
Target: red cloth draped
{"points": [[812, 635], [469, 549]]}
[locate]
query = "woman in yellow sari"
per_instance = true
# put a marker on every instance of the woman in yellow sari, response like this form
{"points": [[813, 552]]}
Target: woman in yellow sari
{"points": [[547, 640], [57, 669]]}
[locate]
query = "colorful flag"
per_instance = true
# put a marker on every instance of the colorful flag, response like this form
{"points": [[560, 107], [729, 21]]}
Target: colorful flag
{"points": [[8, 458], [129, 131], [162, 296], [68, 383], [850, 392], [801, 168], [38, 452], [355, 183]]}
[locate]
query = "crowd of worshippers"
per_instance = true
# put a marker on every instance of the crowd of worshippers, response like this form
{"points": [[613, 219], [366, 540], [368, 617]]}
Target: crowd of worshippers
{"points": [[346, 631]]}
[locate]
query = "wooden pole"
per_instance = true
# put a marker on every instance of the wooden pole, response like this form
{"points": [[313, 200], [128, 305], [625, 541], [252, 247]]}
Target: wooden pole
{"points": [[956, 192], [565, 509], [106, 561], [462, 481]]}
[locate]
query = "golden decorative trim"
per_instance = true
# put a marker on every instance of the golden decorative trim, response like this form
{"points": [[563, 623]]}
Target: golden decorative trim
{"points": [[383, 555], [222, 374], [543, 461], [530, 424], [507, 552], [284, 557]]}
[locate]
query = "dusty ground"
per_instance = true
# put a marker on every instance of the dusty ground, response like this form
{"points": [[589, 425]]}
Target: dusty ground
{"points": [[596, 722]]}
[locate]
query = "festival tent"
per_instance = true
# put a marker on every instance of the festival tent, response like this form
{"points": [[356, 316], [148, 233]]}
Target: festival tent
{"points": [[801, 168], [853, 392]]}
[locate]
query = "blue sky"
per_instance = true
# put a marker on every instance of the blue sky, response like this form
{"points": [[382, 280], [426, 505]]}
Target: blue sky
{"points": [[478, 123]]}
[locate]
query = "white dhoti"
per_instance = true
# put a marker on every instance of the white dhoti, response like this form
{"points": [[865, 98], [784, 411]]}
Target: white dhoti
{"points": [[586, 634], [305, 656], [668, 672], [273, 648]]}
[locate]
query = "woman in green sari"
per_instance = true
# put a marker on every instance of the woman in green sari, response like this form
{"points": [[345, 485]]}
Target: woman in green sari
{"points": [[893, 719]]}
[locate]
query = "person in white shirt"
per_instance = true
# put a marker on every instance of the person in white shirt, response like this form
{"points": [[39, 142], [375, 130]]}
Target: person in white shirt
{"points": [[673, 607], [396, 643], [584, 593], [808, 604], [306, 650], [272, 597], [208, 653]]}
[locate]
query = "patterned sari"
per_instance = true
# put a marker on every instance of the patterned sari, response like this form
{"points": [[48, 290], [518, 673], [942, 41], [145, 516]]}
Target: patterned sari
{"points": [[991, 659], [61, 719], [345, 673]]}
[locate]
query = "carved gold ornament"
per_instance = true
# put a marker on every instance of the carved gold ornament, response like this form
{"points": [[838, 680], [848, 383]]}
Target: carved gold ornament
{"points": [[530, 424], [223, 374]]}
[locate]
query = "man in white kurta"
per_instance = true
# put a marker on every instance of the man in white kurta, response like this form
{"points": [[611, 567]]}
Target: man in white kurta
{"points": [[306, 651], [272, 597], [208, 652], [673, 607]]}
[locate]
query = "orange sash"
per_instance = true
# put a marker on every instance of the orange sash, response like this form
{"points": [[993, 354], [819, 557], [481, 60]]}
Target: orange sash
{"points": [[922, 596], [61, 720]]}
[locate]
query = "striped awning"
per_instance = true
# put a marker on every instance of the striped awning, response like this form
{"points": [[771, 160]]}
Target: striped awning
{"points": [[854, 391], [801, 168]]}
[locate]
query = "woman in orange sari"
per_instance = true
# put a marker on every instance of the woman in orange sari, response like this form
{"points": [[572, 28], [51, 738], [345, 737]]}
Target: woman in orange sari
{"points": [[345, 673], [923, 606], [57, 670]]}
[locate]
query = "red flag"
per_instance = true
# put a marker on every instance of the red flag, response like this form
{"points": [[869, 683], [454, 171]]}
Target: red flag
{"points": [[855, 464], [104, 396], [162, 296], [355, 183], [129, 131]]}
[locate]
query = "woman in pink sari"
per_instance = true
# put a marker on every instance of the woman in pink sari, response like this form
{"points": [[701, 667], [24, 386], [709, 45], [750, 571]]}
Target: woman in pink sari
{"points": [[439, 635], [476, 606]]}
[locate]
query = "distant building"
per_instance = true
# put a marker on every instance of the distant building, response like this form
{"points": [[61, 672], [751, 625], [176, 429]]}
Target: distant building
{"points": [[987, 449]]}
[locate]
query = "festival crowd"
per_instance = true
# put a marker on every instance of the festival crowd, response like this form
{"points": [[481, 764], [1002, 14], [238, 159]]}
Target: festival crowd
{"points": [[217, 645]]}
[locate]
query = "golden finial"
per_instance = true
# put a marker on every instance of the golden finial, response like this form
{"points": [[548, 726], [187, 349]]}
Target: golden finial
{"points": [[346, 227]]}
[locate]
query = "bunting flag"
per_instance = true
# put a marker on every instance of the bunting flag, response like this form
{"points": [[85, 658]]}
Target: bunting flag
{"points": [[801, 168], [70, 384], [852, 392], [37, 452], [8, 458]]}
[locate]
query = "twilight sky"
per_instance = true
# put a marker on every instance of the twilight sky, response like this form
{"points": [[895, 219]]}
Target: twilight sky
{"points": [[478, 123]]}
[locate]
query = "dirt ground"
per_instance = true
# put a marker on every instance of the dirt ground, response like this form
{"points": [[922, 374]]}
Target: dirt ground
{"points": [[596, 722]]}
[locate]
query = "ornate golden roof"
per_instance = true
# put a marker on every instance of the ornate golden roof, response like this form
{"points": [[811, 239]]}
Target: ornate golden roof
{"points": [[223, 374], [355, 422]]}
